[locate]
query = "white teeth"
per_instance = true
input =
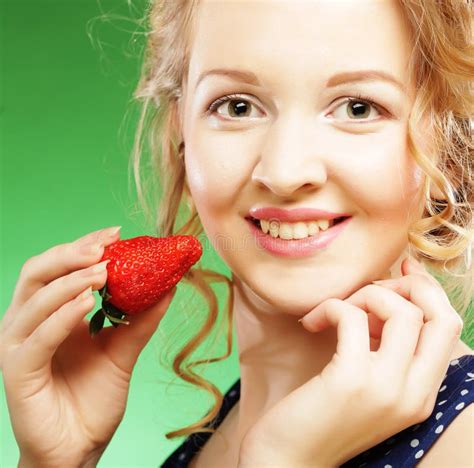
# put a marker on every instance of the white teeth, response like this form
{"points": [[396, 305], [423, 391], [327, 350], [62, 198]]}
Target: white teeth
{"points": [[274, 229], [313, 228], [323, 224], [286, 231], [299, 230]]}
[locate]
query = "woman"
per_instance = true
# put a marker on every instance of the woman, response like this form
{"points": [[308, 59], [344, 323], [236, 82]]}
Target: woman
{"points": [[270, 105]]}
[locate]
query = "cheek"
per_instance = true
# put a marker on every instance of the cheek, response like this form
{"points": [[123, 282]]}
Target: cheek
{"points": [[216, 171], [386, 182]]}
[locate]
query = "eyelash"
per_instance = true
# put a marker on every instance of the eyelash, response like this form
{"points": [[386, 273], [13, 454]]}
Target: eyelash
{"points": [[358, 97]]}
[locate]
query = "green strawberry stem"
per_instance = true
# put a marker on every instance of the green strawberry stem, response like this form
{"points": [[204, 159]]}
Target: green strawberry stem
{"points": [[115, 315], [115, 319]]}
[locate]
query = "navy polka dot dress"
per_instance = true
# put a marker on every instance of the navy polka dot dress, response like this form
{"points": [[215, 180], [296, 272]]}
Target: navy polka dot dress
{"points": [[403, 450]]}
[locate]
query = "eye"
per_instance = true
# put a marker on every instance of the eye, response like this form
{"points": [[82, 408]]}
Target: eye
{"points": [[358, 108], [233, 106]]}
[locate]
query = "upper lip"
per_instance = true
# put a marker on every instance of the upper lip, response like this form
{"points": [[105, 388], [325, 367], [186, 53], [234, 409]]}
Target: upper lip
{"points": [[297, 214]]}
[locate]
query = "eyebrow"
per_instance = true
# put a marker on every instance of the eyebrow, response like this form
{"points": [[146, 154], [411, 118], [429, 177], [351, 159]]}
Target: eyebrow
{"points": [[335, 80]]}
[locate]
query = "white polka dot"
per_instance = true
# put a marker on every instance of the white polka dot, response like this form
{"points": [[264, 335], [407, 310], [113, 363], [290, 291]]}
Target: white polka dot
{"points": [[414, 443], [386, 453], [454, 362], [182, 456], [387, 466], [442, 389], [232, 393], [419, 454], [438, 415], [442, 402], [460, 405], [464, 391], [439, 429]]}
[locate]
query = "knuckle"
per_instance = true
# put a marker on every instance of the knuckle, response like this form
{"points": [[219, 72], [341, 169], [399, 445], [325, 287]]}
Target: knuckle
{"points": [[371, 289], [455, 324], [361, 315], [332, 303], [28, 266], [415, 315], [422, 281]]}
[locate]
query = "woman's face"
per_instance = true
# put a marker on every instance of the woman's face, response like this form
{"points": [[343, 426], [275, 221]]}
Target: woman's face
{"points": [[290, 138]]}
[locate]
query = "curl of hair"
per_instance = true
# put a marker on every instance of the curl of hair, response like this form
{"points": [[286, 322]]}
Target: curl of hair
{"points": [[442, 66]]}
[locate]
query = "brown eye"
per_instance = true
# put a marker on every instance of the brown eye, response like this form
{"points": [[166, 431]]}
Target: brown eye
{"points": [[234, 107], [239, 108], [357, 109]]}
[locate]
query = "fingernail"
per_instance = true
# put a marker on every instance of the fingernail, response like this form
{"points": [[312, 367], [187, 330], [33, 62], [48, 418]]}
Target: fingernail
{"points": [[302, 320], [413, 261], [100, 267], [112, 232]]}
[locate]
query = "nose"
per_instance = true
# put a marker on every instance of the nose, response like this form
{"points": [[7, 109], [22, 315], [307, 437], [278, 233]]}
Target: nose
{"points": [[290, 160]]}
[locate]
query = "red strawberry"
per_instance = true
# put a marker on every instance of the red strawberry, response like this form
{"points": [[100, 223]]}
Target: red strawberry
{"points": [[140, 272]]}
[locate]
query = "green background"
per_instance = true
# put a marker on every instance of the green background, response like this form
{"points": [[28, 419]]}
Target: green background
{"points": [[67, 123], [68, 70]]}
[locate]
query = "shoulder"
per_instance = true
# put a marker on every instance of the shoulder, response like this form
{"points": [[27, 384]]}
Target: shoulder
{"points": [[454, 447]]}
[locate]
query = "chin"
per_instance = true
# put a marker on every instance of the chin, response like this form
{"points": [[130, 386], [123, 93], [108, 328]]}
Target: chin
{"points": [[301, 299]]}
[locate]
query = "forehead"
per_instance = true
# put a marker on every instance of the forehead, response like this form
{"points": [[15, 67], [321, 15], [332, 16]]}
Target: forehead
{"points": [[288, 41]]}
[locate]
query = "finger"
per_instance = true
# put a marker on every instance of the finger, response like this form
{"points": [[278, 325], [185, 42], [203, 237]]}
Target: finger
{"points": [[352, 327], [51, 297], [427, 294], [36, 352], [439, 334], [60, 260], [401, 330], [412, 266], [124, 344]]}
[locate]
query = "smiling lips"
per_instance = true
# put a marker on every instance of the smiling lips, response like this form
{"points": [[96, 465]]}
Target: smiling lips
{"points": [[295, 215], [299, 230], [293, 247], [294, 224]]}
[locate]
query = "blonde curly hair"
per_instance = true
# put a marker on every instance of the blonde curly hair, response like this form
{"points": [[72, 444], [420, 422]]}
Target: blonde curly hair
{"points": [[442, 63]]}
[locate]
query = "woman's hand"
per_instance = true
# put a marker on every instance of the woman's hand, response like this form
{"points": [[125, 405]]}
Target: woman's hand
{"points": [[363, 397], [66, 392]]}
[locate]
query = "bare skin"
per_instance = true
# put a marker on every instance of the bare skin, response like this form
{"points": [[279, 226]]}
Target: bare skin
{"points": [[224, 446], [66, 392], [298, 146]]}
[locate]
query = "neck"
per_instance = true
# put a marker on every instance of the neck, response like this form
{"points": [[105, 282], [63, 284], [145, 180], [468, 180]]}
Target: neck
{"points": [[276, 353]]}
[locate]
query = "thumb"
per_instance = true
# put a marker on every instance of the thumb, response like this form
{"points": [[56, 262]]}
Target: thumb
{"points": [[125, 343]]}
